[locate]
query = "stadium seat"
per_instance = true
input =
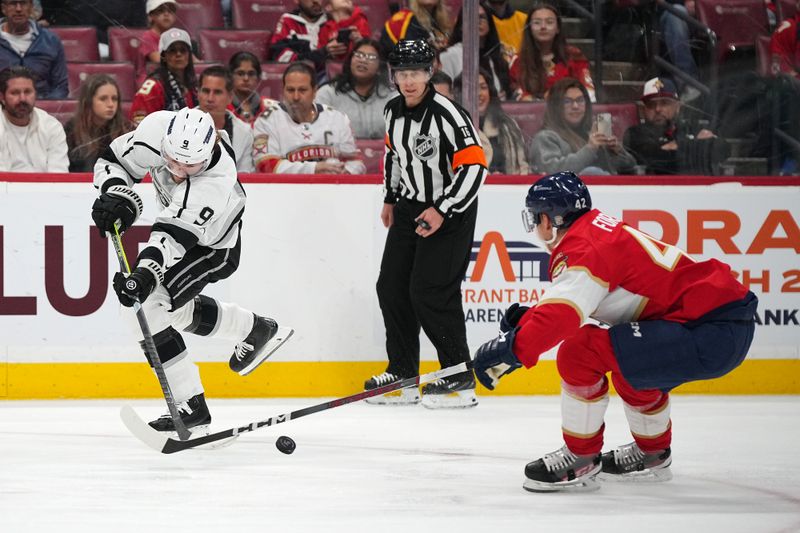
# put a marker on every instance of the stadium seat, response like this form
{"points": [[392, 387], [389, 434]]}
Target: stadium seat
{"points": [[789, 8], [259, 14], [63, 110], [377, 12], [737, 23], [80, 42], [372, 152], [333, 68], [623, 116], [272, 80], [122, 72], [220, 45], [200, 66], [529, 116], [196, 14], [763, 55]]}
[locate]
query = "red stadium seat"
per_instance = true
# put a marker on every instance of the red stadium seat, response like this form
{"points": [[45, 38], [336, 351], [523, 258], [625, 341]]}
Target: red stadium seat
{"points": [[123, 43], [372, 151], [63, 110], [788, 8], [737, 23], [272, 80], [623, 116], [122, 72], [220, 45], [80, 42], [333, 68], [763, 55], [377, 12], [196, 14], [200, 66], [529, 116], [259, 14]]}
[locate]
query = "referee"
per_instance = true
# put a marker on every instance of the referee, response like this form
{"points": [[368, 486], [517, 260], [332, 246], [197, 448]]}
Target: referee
{"points": [[433, 169]]}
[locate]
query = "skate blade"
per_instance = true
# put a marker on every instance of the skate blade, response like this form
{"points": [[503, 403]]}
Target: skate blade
{"points": [[280, 337], [658, 475], [455, 400], [576, 485], [400, 397]]}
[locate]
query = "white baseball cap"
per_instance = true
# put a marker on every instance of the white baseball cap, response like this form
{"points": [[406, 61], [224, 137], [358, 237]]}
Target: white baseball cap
{"points": [[175, 35], [152, 5]]}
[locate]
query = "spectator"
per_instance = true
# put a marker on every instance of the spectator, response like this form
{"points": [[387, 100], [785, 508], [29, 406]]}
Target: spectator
{"points": [[98, 120], [173, 85], [343, 16], [545, 57], [784, 46], [161, 17], [660, 144], [361, 90], [26, 43], [675, 32], [301, 136], [569, 142], [215, 95], [502, 132], [247, 103], [443, 84], [296, 36], [489, 49], [424, 19], [31, 140], [510, 25]]}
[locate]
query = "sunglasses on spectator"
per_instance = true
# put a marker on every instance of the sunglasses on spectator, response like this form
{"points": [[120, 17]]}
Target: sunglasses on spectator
{"points": [[365, 56]]}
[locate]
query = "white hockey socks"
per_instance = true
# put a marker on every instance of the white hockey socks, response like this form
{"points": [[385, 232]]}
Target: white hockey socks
{"points": [[582, 418], [206, 316], [183, 377]]}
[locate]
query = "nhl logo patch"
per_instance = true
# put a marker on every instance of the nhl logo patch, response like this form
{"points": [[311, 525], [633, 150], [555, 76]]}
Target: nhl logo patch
{"points": [[424, 146]]}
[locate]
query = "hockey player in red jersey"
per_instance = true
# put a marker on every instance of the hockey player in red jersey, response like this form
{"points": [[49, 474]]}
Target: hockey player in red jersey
{"points": [[672, 320]]}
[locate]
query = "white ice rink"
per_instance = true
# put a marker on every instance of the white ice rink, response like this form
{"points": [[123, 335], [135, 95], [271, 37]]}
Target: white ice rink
{"points": [[72, 466]]}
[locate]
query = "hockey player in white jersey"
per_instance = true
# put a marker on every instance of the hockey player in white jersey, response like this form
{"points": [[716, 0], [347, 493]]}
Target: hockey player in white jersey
{"points": [[301, 136], [195, 240]]}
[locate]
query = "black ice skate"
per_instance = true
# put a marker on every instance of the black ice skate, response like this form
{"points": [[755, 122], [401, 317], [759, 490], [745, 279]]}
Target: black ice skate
{"points": [[453, 392], [630, 463], [407, 396], [562, 470], [194, 414], [265, 337]]}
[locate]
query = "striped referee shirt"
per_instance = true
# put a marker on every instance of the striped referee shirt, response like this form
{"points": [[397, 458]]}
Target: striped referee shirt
{"points": [[433, 154]]}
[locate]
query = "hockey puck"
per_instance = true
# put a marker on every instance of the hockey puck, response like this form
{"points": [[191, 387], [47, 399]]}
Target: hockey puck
{"points": [[285, 444]]}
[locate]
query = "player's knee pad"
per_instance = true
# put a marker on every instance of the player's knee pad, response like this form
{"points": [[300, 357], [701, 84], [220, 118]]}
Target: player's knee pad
{"points": [[584, 358], [204, 317], [169, 346]]}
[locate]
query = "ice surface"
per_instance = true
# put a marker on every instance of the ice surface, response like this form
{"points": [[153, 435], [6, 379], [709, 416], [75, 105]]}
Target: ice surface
{"points": [[72, 466]]}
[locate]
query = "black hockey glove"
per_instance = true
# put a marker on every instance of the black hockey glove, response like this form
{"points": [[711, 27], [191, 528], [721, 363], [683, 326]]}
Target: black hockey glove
{"points": [[512, 317], [495, 359], [135, 287], [117, 203]]}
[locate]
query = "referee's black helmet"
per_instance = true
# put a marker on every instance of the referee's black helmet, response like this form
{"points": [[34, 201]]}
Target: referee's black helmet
{"points": [[411, 54]]}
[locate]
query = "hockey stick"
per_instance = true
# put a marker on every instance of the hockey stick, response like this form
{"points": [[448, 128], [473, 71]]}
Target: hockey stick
{"points": [[161, 443], [149, 344]]}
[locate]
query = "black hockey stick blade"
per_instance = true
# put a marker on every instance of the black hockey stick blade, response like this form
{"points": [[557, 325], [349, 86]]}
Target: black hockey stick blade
{"points": [[160, 442]]}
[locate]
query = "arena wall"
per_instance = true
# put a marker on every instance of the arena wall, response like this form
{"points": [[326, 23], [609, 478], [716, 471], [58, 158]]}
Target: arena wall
{"points": [[311, 251]]}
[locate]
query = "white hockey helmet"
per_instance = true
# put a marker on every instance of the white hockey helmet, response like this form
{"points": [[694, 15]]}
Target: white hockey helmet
{"points": [[190, 137]]}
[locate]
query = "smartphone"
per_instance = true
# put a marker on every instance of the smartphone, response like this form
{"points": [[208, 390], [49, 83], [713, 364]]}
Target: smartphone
{"points": [[604, 124], [344, 36], [422, 223]]}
